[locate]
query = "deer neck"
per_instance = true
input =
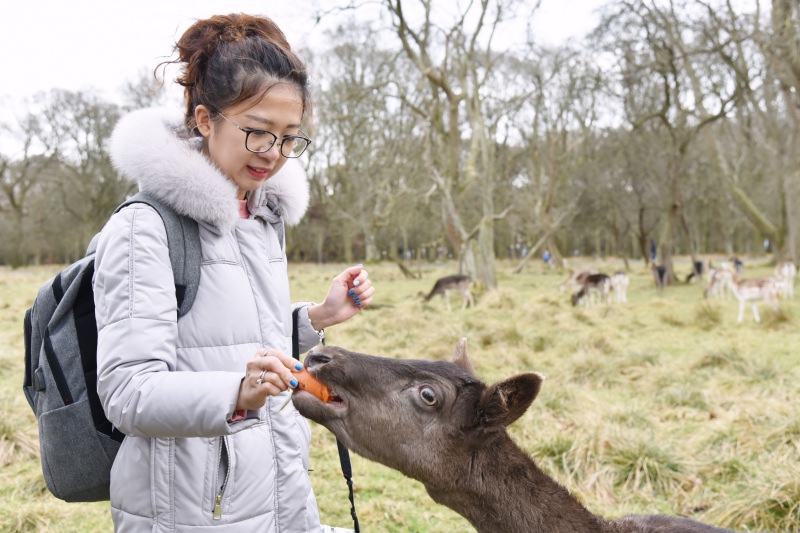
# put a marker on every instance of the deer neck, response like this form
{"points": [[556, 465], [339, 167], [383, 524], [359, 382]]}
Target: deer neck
{"points": [[500, 489]]}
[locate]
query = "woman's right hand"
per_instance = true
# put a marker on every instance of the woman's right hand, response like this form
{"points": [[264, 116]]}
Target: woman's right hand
{"points": [[268, 374]]}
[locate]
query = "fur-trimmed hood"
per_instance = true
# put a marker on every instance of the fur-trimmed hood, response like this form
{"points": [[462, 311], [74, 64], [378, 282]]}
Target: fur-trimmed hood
{"points": [[153, 148]]}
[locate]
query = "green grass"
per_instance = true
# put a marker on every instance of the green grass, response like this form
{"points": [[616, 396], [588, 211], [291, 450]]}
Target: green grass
{"points": [[663, 404]]}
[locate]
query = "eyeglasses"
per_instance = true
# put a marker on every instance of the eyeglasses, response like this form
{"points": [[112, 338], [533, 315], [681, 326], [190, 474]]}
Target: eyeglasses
{"points": [[260, 141]]}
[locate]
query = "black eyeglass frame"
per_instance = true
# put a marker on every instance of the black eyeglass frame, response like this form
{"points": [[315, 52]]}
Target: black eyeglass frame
{"points": [[274, 140]]}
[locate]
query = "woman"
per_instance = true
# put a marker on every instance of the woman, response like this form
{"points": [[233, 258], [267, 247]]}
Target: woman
{"points": [[201, 398]]}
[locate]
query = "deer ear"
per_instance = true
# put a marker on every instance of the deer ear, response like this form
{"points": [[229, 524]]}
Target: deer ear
{"points": [[505, 401], [461, 358]]}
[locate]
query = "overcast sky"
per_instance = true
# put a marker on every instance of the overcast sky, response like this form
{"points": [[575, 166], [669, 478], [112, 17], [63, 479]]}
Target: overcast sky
{"points": [[101, 44]]}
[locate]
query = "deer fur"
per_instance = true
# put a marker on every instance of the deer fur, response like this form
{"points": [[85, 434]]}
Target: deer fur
{"points": [[459, 283], [436, 422]]}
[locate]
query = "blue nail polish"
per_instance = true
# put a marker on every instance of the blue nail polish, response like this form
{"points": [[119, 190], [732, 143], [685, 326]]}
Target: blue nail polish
{"points": [[356, 283], [358, 304], [298, 366], [356, 298], [352, 293], [293, 383], [360, 265]]}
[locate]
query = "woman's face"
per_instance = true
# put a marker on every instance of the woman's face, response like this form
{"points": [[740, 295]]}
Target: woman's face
{"points": [[279, 111]]}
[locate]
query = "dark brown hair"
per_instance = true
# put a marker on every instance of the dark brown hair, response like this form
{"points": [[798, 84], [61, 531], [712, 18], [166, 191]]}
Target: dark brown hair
{"points": [[228, 59]]}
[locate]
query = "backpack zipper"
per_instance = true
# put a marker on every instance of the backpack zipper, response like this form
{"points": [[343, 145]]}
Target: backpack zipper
{"points": [[223, 449]]}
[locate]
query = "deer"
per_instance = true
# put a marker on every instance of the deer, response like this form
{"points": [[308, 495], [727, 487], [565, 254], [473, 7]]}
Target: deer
{"points": [[660, 277], [620, 282], [753, 291], [575, 279], [718, 283], [735, 264], [785, 272], [459, 283], [436, 422], [593, 286]]}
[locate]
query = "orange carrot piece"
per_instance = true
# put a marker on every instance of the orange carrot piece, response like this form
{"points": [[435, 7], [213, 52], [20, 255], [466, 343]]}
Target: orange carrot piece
{"points": [[307, 382]]}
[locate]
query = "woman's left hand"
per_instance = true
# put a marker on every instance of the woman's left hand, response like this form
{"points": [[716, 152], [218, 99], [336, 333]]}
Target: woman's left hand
{"points": [[350, 292]]}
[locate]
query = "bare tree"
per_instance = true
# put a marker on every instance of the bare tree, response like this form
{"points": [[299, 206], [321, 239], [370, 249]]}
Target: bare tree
{"points": [[554, 122], [456, 62], [78, 125], [660, 53], [362, 167], [18, 178]]}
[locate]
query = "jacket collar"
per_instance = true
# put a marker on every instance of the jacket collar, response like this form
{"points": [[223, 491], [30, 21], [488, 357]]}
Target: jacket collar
{"points": [[152, 147]]}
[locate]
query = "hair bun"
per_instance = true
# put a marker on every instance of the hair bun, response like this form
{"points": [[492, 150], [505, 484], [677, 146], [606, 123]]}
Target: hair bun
{"points": [[238, 27], [228, 58]]}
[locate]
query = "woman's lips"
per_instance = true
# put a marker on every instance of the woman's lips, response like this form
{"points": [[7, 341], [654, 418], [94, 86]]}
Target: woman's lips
{"points": [[258, 172]]}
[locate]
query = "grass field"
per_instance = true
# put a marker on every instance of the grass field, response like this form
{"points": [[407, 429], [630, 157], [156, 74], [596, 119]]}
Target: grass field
{"points": [[663, 404]]}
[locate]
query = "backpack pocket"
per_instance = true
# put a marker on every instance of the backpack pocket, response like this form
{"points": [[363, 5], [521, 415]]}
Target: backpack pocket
{"points": [[76, 459]]}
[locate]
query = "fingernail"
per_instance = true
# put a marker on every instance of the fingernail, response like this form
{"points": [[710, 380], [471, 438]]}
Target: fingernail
{"points": [[352, 293], [360, 265], [358, 304], [356, 298], [293, 383], [298, 366], [356, 283]]}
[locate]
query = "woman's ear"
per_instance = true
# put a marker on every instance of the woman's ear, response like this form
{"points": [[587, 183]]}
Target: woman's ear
{"points": [[202, 117]]}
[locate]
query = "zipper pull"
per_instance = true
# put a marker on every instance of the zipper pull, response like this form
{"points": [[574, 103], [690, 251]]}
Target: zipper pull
{"points": [[218, 507]]}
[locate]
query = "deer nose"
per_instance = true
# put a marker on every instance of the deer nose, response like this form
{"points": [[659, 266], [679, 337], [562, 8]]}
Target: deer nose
{"points": [[314, 359]]}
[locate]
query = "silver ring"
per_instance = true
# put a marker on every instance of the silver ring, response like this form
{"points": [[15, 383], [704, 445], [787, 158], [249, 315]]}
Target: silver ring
{"points": [[260, 379]]}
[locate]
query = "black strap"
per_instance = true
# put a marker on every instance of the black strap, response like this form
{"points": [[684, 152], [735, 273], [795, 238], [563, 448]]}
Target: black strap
{"points": [[295, 335], [344, 453], [347, 471]]}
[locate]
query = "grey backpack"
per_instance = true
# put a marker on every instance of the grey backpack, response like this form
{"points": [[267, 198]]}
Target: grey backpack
{"points": [[77, 442]]}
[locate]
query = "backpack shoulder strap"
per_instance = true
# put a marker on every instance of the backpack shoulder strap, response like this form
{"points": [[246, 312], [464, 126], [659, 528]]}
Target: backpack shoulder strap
{"points": [[183, 237]]}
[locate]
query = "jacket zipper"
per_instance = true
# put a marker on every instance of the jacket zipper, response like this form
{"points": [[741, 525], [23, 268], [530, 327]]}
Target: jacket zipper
{"points": [[223, 451]]}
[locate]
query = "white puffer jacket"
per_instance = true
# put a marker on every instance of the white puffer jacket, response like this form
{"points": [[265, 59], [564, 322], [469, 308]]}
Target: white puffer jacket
{"points": [[171, 385]]}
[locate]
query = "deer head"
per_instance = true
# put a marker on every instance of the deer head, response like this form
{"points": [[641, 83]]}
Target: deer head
{"points": [[417, 416]]}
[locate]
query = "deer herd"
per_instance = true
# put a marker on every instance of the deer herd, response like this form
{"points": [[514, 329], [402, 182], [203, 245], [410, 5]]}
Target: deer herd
{"points": [[591, 287], [724, 282]]}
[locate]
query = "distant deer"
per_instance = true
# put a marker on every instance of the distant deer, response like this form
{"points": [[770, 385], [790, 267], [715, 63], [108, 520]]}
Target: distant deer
{"points": [[785, 272], [459, 283], [436, 422], [660, 277], [698, 267], [753, 291], [718, 283], [620, 282], [575, 279], [593, 287]]}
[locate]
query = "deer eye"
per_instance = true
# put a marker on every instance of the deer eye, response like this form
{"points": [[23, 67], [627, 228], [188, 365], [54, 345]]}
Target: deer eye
{"points": [[427, 395]]}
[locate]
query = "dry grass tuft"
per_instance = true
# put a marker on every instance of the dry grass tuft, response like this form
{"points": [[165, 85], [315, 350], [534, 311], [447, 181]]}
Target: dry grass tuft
{"points": [[708, 316], [775, 319], [671, 319], [640, 464]]}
